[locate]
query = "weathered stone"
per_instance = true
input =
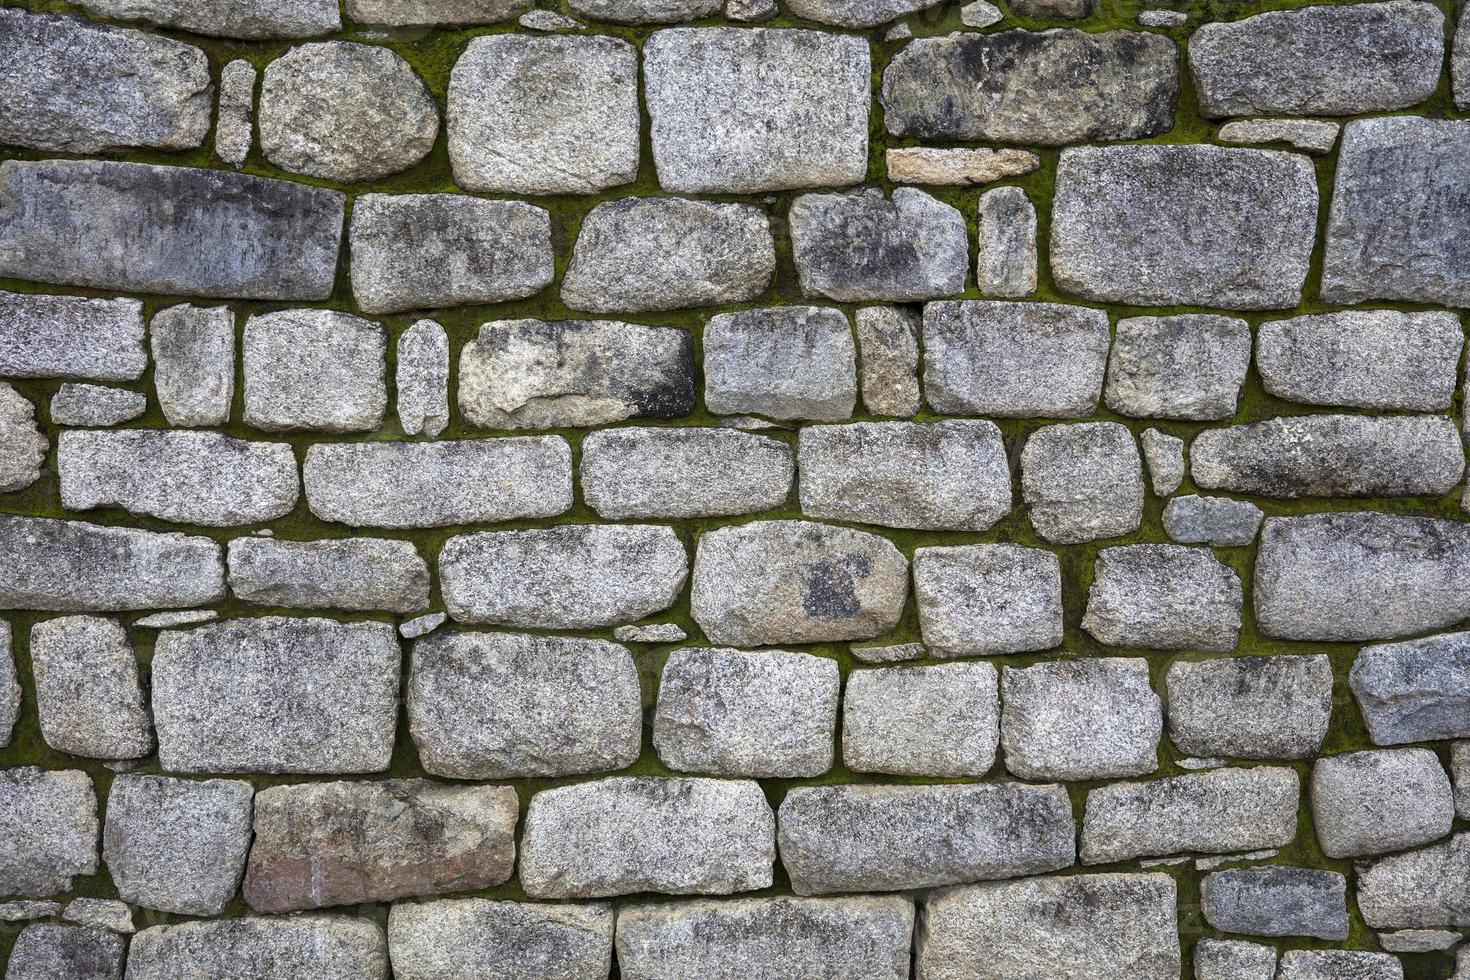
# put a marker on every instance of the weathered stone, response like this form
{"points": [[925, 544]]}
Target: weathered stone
{"points": [[765, 713], [751, 11], [23, 445], [886, 838], [87, 689], [1323, 60], [180, 617], [48, 830], [1270, 707], [71, 337], [652, 633], [1164, 456], [1419, 940], [785, 362], [857, 13], [1418, 889], [509, 706], [957, 167], [316, 370], [28, 909], [1164, 597], [10, 694], [325, 947], [415, 251], [177, 845], [887, 653], [234, 131], [1183, 225], [1277, 901], [921, 721], [1080, 719], [862, 246], [343, 111], [1360, 576], [44, 951], [980, 13], [473, 937], [1378, 801], [681, 473], [1070, 9], [643, 254], [1460, 82], [1217, 521], [1307, 135], [746, 110], [1189, 366], [1014, 360], [796, 582], [194, 363], [635, 834], [1459, 769], [252, 20], [550, 21], [1051, 88], [422, 625], [1233, 959], [438, 484], [423, 379], [539, 374], [888, 350], [1080, 927], [576, 576], [276, 695], [141, 228], [1398, 228], [101, 913], [1415, 691], [1162, 18], [187, 477], [645, 11], [433, 13], [1006, 226], [1082, 482], [77, 403], [1216, 812], [988, 599], [818, 938], [1337, 964], [68, 566], [349, 573]]}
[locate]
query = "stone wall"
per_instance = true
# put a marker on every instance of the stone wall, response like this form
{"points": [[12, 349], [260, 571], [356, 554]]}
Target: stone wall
{"points": [[725, 489]]}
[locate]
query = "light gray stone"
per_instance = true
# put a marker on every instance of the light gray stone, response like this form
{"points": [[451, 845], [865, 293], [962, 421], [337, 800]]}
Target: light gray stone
{"points": [[652, 633], [141, 228], [234, 131], [887, 653], [423, 379], [680, 473], [326, 947], [1268, 707], [1360, 576], [1277, 901], [188, 477], [1049, 88], [23, 446], [1080, 719], [433, 13], [645, 11], [747, 110], [1183, 225], [510, 706], [10, 693], [1005, 264], [69, 566], [1320, 60], [539, 374], [177, 845], [571, 577], [887, 838], [418, 251], [818, 938], [785, 362], [276, 695], [87, 690], [101, 913], [1337, 964], [319, 370], [633, 834], [1164, 456], [1217, 521], [48, 830], [1380, 800], [955, 166], [1070, 9], [194, 363], [1415, 691], [796, 582], [180, 617], [476, 939], [751, 11], [73, 86], [1307, 135], [77, 403], [1233, 959], [252, 20], [422, 625], [988, 599], [1419, 940], [922, 721], [549, 21], [1418, 889], [1162, 18], [28, 909], [347, 112], [71, 337], [1460, 82], [763, 713], [1080, 927], [1216, 812], [1189, 366], [1082, 482], [888, 352], [1163, 597], [862, 246], [347, 573], [856, 13], [980, 14], [44, 951], [438, 484], [1459, 769]]}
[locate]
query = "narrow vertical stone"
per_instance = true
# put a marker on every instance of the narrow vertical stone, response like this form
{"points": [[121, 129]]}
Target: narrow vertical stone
{"points": [[423, 379], [234, 133], [194, 363], [888, 343], [1006, 264]]}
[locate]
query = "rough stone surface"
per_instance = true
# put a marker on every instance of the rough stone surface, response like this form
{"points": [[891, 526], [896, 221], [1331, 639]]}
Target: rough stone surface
{"points": [[1270, 707], [71, 337], [1006, 227], [1380, 800], [1277, 901], [314, 370], [95, 405], [327, 947], [956, 167], [785, 362], [1419, 940], [433, 13], [48, 830], [1418, 889], [1414, 691], [1163, 597], [1459, 769], [888, 351], [1189, 366], [1080, 719], [423, 379], [1460, 82], [1334, 964], [921, 721], [680, 473], [44, 951], [1082, 482], [550, 21], [861, 13], [1307, 135], [23, 446], [1162, 18], [100, 913], [234, 131], [194, 363], [473, 937], [1233, 959], [87, 689], [1164, 456], [350, 573], [1217, 521], [252, 20], [988, 599], [10, 693], [28, 909], [652, 633]]}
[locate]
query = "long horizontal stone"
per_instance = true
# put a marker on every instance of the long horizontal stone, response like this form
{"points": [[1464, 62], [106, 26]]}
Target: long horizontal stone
{"points": [[857, 13], [474, 937], [251, 20], [1339, 964], [1277, 900], [1421, 889], [44, 336], [433, 13], [141, 228], [437, 484], [885, 838], [1414, 691], [1267, 707], [673, 473], [325, 947], [348, 573], [48, 830]]}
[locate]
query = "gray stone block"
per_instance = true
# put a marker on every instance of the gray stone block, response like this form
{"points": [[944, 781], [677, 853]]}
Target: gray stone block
{"points": [[646, 472], [423, 379], [888, 350], [645, 11], [1163, 597], [1163, 454], [1080, 719], [326, 947], [87, 691], [857, 13], [360, 574], [1269, 707], [1189, 366], [44, 951], [45, 336], [922, 721], [23, 446], [194, 363], [1380, 800], [251, 20], [82, 404], [988, 599], [1315, 136], [1414, 691], [48, 830], [1233, 959], [10, 693], [316, 370], [477, 938], [1082, 482], [433, 13], [1337, 964], [1005, 263], [107, 914], [1418, 889], [785, 362], [1277, 900], [234, 130], [1219, 521]]}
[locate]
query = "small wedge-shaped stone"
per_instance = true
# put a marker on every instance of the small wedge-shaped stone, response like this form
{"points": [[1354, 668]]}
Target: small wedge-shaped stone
{"points": [[1094, 718], [348, 573], [644, 254], [81, 404], [1080, 927], [186, 477], [988, 599], [48, 830], [324, 947], [1189, 366], [1331, 456], [1322, 60], [276, 695], [476, 939], [1415, 691], [683, 472], [635, 834], [949, 475], [1164, 597], [1308, 135], [1050, 88], [948, 166], [320, 370], [1014, 360], [573, 577], [510, 706], [87, 689], [77, 87], [141, 228], [796, 582], [433, 13], [922, 721], [1164, 456], [1420, 889], [71, 337], [546, 374], [864, 936], [785, 362], [1219, 521], [1082, 482], [68, 566], [1380, 800], [1184, 225], [1274, 707], [1277, 901], [888, 838], [1360, 576], [234, 130], [1216, 812], [1338, 964], [194, 363], [252, 20], [44, 950], [857, 13], [347, 843], [107, 914], [741, 110], [888, 347], [423, 379], [23, 445]]}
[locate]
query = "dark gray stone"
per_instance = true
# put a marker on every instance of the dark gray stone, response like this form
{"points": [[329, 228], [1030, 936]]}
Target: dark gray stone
{"points": [[88, 695], [194, 363], [81, 404], [645, 11], [324, 947], [1269, 707], [1189, 366], [1218, 521], [1095, 718], [251, 20], [107, 914], [1277, 901], [45, 951], [922, 721], [1381, 800], [348, 573], [48, 830], [320, 370], [679, 473], [71, 337], [477, 938], [1164, 597], [988, 599], [433, 13], [1082, 482], [1233, 959], [1415, 691], [785, 362]]}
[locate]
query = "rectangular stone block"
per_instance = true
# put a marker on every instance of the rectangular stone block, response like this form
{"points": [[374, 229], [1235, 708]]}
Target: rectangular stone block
{"points": [[484, 940], [44, 336], [48, 830], [349, 573], [323, 947]]}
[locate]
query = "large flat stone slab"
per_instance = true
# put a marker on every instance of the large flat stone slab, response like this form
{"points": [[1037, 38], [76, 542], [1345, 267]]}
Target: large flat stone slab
{"points": [[250, 20], [785, 362], [326, 947], [1082, 481], [45, 949], [1269, 707], [1380, 800], [474, 937], [1163, 597], [44, 336], [1277, 900], [922, 721], [433, 13], [1189, 366], [1421, 889]]}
